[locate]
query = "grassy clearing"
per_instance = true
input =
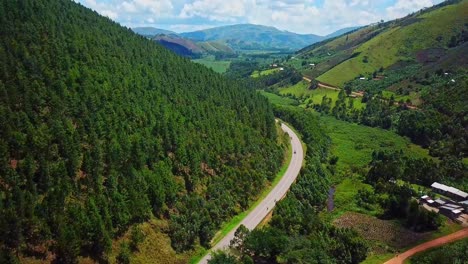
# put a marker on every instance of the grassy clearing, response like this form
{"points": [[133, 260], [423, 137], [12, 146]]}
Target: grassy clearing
{"points": [[155, 248], [353, 144], [235, 221], [413, 97], [278, 100], [211, 62], [344, 200], [384, 235], [257, 74], [377, 258], [301, 90]]}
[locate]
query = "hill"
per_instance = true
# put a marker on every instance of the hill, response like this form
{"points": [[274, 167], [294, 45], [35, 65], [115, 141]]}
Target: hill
{"points": [[254, 37], [151, 31], [430, 32], [188, 48], [102, 129], [179, 45]]}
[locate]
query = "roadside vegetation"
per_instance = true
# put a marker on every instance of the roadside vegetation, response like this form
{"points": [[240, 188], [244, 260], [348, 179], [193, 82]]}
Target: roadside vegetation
{"points": [[448, 254], [296, 233]]}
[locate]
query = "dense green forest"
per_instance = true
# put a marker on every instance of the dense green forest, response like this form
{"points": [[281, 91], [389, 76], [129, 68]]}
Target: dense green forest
{"points": [[101, 128], [296, 232]]}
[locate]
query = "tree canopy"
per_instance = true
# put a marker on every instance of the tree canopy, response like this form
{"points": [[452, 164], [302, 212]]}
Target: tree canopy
{"points": [[101, 128]]}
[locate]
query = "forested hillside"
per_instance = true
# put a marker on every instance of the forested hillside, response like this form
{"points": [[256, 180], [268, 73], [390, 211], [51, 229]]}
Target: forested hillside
{"points": [[101, 128]]}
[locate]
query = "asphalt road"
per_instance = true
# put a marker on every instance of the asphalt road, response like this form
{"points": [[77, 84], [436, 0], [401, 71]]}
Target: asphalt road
{"points": [[266, 205]]}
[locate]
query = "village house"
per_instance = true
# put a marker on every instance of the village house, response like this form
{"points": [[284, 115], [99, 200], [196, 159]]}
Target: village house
{"points": [[451, 192]]}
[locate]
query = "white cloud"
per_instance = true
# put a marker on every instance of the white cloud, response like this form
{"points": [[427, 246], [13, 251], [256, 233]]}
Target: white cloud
{"points": [[404, 7], [305, 17], [132, 11], [216, 10], [301, 16], [188, 27], [110, 14]]}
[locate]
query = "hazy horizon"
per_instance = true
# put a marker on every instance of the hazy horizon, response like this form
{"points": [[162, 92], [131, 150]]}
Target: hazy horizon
{"points": [[320, 17]]}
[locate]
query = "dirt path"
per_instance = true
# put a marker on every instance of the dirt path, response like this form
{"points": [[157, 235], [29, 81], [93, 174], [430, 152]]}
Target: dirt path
{"points": [[399, 259], [328, 86]]}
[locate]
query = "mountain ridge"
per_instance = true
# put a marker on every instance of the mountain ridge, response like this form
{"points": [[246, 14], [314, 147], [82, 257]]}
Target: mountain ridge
{"points": [[251, 36]]}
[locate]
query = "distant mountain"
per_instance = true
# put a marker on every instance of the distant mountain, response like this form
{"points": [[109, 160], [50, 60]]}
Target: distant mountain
{"points": [[341, 32], [151, 31], [235, 38], [250, 37]]}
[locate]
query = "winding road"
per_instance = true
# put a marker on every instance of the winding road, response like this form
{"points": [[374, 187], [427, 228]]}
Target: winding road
{"points": [[277, 193]]}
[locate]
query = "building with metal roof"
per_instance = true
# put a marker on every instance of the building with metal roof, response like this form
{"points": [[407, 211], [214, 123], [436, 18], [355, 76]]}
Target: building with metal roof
{"points": [[449, 191]]}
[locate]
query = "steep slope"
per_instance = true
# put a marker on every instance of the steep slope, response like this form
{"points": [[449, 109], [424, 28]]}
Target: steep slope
{"points": [[188, 48], [249, 37], [101, 129], [179, 45], [385, 44]]}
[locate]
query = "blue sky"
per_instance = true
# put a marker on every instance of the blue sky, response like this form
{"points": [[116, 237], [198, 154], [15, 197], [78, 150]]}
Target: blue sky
{"points": [[306, 16]]}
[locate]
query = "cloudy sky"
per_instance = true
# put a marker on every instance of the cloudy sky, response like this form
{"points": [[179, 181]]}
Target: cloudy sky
{"points": [[300, 16]]}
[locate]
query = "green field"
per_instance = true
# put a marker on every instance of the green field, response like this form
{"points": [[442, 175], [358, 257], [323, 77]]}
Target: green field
{"points": [[301, 89], [278, 100], [354, 144], [211, 62], [257, 74], [298, 89]]}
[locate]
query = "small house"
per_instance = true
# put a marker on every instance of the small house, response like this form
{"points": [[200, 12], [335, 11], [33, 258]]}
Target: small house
{"points": [[450, 210], [464, 204], [439, 202]]}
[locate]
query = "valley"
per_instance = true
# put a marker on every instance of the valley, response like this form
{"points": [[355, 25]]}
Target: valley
{"points": [[230, 142]]}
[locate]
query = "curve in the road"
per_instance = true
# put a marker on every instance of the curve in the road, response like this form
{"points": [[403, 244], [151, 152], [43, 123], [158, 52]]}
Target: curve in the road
{"points": [[276, 194], [399, 259]]}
